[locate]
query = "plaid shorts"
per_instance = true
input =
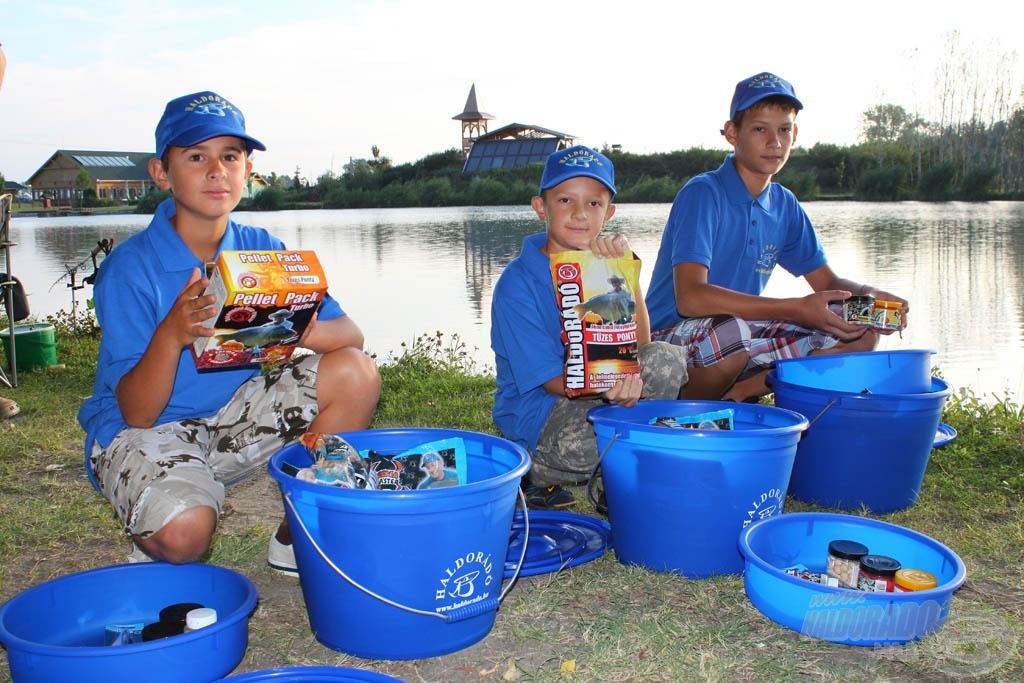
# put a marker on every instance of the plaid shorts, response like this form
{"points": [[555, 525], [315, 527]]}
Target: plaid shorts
{"points": [[152, 475], [709, 340], [567, 449]]}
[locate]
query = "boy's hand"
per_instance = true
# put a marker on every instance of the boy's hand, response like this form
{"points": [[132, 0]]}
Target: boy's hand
{"points": [[612, 245], [627, 392], [184, 322], [817, 315]]}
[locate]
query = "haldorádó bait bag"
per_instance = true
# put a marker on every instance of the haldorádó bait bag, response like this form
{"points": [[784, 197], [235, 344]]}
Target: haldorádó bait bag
{"points": [[596, 297]]}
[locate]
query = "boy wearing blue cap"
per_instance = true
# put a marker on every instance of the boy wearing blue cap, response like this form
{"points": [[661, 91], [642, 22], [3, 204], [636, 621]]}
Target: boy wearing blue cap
{"points": [[530, 407], [725, 234], [162, 438]]}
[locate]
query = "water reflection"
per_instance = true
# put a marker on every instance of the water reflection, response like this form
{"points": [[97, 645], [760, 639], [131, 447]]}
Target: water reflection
{"points": [[404, 272]]}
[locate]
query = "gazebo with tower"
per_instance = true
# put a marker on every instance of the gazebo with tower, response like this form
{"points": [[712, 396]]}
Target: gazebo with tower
{"points": [[510, 146]]}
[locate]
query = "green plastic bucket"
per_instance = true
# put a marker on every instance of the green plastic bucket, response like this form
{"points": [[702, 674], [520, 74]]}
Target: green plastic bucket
{"points": [[35, 345]]}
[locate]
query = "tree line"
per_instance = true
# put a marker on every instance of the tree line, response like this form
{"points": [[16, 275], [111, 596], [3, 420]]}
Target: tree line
{"points": [[899, 158]]}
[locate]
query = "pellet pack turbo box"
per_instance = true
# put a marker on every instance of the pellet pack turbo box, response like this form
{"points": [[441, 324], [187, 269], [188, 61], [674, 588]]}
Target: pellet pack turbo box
{"points": [[265, 300]]}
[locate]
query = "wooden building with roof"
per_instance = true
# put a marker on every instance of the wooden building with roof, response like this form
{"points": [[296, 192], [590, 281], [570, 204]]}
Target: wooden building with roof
{"points": [[511, 146], [115, 176]]}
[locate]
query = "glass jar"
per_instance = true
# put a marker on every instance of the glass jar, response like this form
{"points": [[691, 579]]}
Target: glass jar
{"points": [[907, 580], [844, 561], [860, 310], [887, 315], [877, 574]]}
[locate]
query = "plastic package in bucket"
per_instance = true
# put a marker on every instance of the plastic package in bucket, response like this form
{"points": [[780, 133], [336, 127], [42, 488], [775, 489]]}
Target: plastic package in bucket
{"points": [[845, 615], [678, 498], [862, 450], [903, 371], [55, 631], [313, 674], [404, 574]]}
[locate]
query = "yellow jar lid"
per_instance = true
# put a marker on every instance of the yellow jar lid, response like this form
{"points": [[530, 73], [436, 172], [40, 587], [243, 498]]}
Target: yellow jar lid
{"points": [[915, 579]]}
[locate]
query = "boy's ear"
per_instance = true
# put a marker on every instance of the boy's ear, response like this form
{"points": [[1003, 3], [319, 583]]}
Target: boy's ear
{"points": [[538, 207], [730, 132], [159, 174]]}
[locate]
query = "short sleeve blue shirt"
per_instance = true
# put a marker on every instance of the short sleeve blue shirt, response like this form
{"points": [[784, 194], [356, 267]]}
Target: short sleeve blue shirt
{"points": [[715, 222], [526, 328], [136, 285]]}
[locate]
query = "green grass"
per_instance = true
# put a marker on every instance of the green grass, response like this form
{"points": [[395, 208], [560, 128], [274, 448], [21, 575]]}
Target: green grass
{"points": [[605, 621]]}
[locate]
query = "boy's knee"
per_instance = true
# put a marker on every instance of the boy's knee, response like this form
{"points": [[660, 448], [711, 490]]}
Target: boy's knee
{"points": [[352, 366], [186, 538], [663, 369]]}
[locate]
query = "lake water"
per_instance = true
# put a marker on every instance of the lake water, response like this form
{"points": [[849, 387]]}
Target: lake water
{"points": [[401, 273]]}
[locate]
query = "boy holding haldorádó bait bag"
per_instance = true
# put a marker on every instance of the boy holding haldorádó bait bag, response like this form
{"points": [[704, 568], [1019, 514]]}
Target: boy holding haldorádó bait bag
{"points": [[538, 334]]}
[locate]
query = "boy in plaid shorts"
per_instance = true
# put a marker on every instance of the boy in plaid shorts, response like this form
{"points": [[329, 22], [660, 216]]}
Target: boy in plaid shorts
{"points": [[725, 234]]}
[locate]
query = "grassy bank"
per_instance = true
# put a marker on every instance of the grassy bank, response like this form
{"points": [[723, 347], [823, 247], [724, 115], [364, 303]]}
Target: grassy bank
{"points": [[601, 621]]}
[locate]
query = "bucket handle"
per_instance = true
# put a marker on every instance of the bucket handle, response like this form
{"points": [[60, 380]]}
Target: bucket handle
{"points": [[824, 410], [603, 509], [454, 615]]}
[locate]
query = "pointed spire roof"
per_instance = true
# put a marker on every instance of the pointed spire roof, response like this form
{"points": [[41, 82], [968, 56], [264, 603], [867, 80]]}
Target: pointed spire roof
{"points": [[471, 112]]}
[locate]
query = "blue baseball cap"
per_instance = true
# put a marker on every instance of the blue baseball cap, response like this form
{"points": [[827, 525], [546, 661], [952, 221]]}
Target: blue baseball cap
{"points": [[574, 162], [200, 116], [754, 89]]}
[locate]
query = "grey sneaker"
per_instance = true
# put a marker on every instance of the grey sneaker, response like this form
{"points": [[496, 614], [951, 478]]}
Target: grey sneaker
{"points": [[281, 557]]}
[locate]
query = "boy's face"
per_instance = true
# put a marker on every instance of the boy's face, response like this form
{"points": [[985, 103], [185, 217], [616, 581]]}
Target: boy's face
{"points": [[764, 139], [207, 179], [574, 212]]}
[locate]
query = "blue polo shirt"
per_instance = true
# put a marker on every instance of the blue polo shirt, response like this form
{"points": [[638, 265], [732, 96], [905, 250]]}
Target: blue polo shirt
{"points": [[715, 222], [526, 329], [136, 285]]}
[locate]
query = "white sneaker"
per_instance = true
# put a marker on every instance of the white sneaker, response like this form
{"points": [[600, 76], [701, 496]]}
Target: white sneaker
{"points": [[138, 555], [281, 557]]}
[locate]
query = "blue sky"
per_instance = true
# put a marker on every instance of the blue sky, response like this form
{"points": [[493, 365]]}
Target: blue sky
{"points": [[323, 81]]}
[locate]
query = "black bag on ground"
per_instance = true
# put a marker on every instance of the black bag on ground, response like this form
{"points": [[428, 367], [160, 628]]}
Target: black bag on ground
{"points": [[19, 309]]}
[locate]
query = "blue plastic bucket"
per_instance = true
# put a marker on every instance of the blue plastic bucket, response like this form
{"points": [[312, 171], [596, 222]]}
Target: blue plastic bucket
{"points": [[845, 615], [55, 631], [904, 371], [404, 574], [313, 674], [862, 451], [678, 498]]}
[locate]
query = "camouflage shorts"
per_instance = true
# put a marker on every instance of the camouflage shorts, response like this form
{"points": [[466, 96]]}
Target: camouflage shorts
{"points": [[152, 475], [567, 449]]}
